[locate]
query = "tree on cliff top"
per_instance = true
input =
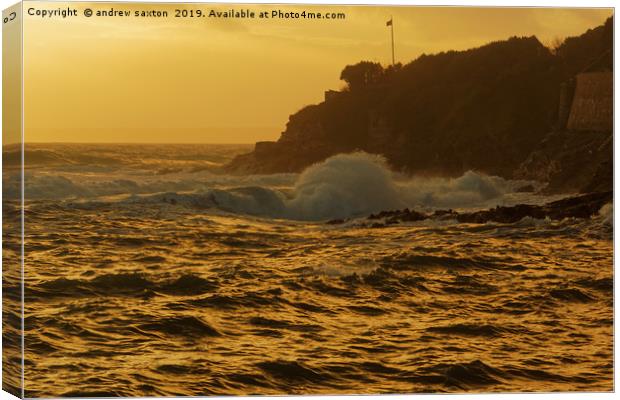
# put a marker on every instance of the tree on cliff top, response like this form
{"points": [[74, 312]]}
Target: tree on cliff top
{"points": [[361, 75], [594, 48]]}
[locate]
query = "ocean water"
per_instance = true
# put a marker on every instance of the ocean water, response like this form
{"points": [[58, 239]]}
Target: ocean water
{"points": [[150, 272]]}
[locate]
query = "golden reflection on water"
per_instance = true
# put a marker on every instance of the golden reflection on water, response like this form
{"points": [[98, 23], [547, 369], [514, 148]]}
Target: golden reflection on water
{"points": [[146, 300]]}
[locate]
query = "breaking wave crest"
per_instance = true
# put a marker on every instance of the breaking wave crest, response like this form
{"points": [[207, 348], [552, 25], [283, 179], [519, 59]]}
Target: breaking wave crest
{"points": [[349, 185], [343, 186], [357, 184]]}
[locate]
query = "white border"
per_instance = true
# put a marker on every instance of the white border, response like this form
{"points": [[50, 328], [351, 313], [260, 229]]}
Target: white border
{"points": [[485, 3]]}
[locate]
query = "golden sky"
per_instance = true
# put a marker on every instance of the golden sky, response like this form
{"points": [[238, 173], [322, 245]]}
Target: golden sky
{"points": [[208, 80]]}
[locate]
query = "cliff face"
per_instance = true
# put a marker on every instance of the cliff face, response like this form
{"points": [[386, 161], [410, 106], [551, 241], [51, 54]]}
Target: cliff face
{"points": [[572, 161], [578, 155], [485, 109]]}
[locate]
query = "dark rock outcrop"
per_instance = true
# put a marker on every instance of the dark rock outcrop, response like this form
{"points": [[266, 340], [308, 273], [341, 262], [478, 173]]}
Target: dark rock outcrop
{"points": [[488, 109], [584, 206], [573, 207], [484, 109], [571, 161]]}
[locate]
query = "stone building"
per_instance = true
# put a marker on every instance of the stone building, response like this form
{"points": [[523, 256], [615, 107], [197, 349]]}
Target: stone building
{"points": [[591, 108]]}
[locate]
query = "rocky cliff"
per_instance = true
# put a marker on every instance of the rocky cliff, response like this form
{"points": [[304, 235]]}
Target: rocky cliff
{"points": [[577, 156], [571, 161], [487, 109]]}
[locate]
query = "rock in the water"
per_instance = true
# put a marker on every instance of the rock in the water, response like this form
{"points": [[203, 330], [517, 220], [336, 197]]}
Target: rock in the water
{"points": [[583, 206]]}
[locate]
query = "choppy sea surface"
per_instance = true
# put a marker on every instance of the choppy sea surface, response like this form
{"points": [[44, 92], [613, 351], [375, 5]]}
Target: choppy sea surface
{"points": [[150, 272]]}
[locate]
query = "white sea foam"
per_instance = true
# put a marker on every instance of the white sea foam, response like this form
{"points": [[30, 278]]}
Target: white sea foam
{"points": [[343, 186], [358, 184]]}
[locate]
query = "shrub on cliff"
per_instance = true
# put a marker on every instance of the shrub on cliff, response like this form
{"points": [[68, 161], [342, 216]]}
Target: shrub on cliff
{"points": [[362, 74]]}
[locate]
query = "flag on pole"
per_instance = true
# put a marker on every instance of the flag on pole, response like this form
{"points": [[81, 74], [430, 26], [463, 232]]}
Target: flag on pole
{"points": [[390, 23]]}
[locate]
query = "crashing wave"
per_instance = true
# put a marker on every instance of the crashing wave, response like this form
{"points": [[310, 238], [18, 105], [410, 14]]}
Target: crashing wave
{"points": [[342, 186]]}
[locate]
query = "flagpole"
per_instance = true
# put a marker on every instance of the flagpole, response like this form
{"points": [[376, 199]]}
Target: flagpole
{"points": [[392, 30]]}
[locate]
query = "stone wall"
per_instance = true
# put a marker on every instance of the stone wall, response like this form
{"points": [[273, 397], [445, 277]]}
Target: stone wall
{"points": [[592, 106]]}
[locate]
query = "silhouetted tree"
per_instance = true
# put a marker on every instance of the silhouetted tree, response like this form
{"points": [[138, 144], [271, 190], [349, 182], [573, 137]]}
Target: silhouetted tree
{"points": [[361, 74], [595, 46]]}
